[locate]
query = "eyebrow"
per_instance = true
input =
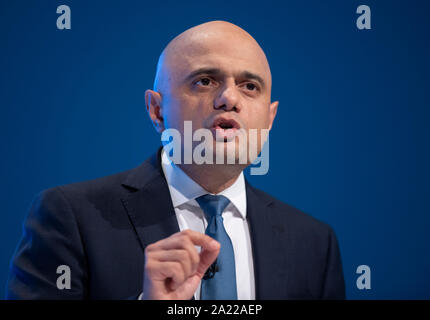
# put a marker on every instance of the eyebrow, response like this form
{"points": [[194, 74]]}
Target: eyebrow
{"points": [[253, 76], [217, 72], [208, 71]]}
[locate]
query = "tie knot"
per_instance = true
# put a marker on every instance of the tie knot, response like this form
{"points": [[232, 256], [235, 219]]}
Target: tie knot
{"points": [[212, 205]]}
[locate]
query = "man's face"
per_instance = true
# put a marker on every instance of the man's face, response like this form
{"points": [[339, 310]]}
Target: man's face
{"points": [[218, 79]]}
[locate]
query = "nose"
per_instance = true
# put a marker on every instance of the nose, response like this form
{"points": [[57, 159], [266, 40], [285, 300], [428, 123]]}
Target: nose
{"points": [[228, 98]]}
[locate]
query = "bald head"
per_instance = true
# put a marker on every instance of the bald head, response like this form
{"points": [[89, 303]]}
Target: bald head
{"points": [[202, 41], [213, 71]]}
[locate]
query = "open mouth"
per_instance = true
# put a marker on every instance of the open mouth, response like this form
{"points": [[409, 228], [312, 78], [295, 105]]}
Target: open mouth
{"points": [[225, 124], [225, 129]]}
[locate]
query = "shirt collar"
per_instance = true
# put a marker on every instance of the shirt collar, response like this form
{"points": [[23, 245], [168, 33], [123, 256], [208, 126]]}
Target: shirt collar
{"points": [[183, 189]]}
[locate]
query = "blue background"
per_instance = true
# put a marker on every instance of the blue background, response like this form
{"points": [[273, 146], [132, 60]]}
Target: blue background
{"points": [[349, 145]]}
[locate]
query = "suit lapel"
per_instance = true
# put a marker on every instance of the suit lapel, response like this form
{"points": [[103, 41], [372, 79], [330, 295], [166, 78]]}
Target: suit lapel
{"points": [[267, 246], [151, 212], [149, 205]]}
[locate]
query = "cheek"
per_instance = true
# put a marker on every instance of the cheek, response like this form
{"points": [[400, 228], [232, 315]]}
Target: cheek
{"points": [[258, 117], [173, 113], [185, 108]]}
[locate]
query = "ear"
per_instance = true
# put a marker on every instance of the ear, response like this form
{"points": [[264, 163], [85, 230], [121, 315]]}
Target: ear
{"points": [[273, 108], [153, 107]]}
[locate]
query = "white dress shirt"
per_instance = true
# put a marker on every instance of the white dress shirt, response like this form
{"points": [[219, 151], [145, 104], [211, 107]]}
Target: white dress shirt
{"points": [[183, 191]]}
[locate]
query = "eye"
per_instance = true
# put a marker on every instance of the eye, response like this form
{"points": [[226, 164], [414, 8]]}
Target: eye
{"points": [[204, 81], [251, 87]]}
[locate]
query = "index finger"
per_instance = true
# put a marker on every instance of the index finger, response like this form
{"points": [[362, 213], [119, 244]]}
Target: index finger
{"points": [[200, 239]]}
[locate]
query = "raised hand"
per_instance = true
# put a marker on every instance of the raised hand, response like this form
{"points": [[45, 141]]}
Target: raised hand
{"points": [[173, 266]]}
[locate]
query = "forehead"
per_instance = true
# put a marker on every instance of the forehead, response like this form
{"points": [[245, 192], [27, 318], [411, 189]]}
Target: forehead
{"points": [[229, 52]]}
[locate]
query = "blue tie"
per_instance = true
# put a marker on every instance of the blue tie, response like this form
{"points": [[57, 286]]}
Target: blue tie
{"points": [[220, 284]]}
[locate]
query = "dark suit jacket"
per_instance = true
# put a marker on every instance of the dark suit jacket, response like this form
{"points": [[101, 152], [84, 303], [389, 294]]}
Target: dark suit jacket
{"points": [[100, 228]]}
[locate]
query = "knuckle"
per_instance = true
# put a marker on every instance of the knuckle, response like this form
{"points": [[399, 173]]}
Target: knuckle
{"points": [[187, 242], [149, 248], [184, 240], [183, 254], [186, 232], [192, 256]]}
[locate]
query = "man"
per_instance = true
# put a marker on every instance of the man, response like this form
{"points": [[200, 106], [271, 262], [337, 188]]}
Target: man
{"points": [[184, 230]]}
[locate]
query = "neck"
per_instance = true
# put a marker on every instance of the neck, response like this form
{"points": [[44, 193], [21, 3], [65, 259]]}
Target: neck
{"points": [[213, 178]]}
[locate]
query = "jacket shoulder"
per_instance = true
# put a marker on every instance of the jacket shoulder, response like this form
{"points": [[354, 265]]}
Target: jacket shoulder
{"points": [[114, 185], [293, 217], [101, 184]]}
